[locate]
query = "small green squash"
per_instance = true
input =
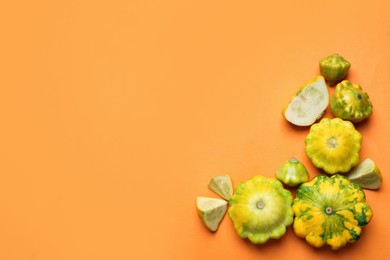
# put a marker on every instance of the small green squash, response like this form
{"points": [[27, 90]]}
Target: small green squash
{"points": [[292, 173], [334, 68], [330, 211]]}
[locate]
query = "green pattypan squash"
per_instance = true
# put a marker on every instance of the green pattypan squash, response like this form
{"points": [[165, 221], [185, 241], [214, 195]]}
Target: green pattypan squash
{"points": [[292, 173], [334, 68]]}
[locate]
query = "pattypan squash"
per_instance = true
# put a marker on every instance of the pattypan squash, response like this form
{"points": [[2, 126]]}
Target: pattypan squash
{"points": [[292, 173], [330, 211], [260, 209], [333, 145], [350, 102], [334, 68]]}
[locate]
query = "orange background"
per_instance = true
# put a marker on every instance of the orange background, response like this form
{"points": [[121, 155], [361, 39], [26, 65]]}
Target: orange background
{"points": [[116, 114]]}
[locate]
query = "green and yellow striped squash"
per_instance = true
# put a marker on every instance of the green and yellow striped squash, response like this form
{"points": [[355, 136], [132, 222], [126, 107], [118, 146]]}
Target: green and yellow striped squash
{"points": [[330, 211], [350, 102]]}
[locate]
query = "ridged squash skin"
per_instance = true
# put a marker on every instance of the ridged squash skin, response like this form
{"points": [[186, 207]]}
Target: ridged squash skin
{"points": [[350, 102], [334, 68], [330, 211], [260, 209], [333, 145]]}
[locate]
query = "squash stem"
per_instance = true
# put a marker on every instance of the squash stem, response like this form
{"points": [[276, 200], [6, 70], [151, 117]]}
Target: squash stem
{"points": [[293, 160], [260, 205], [332, 142], [329, 210]]}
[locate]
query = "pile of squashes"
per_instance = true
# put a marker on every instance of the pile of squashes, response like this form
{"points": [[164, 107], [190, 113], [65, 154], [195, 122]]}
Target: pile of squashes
{"points": [[330, 209]]}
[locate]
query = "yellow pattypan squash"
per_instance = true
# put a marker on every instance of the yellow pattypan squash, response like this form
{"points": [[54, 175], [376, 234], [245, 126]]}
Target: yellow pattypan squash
{"points": [[260, 209], [330, 211], [333, 145]]}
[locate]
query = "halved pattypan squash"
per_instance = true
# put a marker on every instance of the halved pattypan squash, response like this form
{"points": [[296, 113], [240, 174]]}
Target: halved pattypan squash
{"points": [[350, 102], [333, 145], [330, 211], [260, 209], [292, 172], [308, 104]]}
